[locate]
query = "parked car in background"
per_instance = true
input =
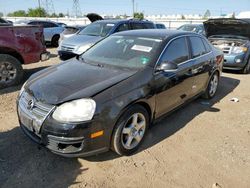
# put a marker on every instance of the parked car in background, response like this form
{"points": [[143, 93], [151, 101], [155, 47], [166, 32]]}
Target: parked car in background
{"points": [[19, 45], [70, 31], [52, 30], [160, 26], [95, 32], [197, 28], [232, 36], [107, 97], [5, 22]]}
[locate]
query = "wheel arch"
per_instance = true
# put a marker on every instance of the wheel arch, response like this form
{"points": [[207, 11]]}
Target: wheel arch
{"points": [[12, 52]]}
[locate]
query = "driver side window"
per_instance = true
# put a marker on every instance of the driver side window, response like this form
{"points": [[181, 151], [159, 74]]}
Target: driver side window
{"points": [[177, 51]]}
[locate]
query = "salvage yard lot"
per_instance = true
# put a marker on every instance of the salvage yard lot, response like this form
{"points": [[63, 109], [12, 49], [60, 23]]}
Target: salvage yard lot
{"points": [[203, 143]]}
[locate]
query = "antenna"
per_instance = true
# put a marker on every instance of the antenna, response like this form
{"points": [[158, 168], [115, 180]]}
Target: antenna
{"points": [[48, 5], [76, 9]]}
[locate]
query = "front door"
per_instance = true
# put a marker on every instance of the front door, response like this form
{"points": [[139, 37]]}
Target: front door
{"points": [[174, 88]]}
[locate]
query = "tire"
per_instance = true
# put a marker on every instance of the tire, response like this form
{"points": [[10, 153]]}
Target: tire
{"points": [[246, 69], [124, 130], [212, 86], [55, 40], [11, 71]]}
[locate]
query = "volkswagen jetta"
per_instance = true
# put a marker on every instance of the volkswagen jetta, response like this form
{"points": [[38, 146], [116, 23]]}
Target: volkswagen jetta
{"points": [[107, 97]]}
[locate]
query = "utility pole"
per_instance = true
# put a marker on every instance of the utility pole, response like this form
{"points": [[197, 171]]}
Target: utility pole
{"points": [[133, 2], [76, 9]]}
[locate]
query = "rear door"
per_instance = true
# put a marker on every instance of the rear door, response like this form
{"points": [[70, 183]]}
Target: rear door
{"points": [[174, 88], [202, 60]]}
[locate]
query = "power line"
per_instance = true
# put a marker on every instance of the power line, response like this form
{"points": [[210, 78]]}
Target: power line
{"points": [[48, 5]]}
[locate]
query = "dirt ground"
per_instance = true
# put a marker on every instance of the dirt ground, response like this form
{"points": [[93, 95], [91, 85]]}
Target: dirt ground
{"points": [[203, 143]]}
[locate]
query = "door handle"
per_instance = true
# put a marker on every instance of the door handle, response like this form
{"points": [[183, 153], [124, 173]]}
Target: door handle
{"points": [[20, 35]]}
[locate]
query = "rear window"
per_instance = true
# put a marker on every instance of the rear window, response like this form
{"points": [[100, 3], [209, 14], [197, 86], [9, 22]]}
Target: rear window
{"points": [[198, 47]]}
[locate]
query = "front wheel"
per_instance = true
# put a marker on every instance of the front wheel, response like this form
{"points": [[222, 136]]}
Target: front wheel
{"points": [[11, 71], [212, 86], [130, 130]]}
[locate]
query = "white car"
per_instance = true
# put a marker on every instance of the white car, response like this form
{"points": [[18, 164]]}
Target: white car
{"points": [[51, 30]]}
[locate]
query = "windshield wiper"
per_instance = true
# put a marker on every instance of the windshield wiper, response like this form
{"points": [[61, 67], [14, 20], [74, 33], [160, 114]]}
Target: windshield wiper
{"points": [[94, 64]]}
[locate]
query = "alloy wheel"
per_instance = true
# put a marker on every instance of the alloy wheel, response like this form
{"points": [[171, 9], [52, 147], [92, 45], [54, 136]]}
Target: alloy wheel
{"points": [[133, 131], [7, 72], [213, 85]]}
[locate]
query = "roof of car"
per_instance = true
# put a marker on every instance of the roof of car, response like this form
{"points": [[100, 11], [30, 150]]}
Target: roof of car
{"points": [[115, 21], [155, 33]]}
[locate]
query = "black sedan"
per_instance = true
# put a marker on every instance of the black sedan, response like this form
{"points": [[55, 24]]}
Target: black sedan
{"points": [[107, 97]]}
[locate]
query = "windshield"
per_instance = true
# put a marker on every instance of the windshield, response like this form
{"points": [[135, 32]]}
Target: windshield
{"points": [[97, 29], [123, 51]]}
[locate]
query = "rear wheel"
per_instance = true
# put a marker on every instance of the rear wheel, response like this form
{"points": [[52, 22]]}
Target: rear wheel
{"points": [[54, 41], [212, 86], [11, 71], [130, 130]]}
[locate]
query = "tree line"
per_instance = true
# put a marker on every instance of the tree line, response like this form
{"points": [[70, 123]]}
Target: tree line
{"points": [[36, 12]]}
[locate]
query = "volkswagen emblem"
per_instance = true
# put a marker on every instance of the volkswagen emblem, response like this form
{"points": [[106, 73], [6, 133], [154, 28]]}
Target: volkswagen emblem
{"points": [[31, 104]]}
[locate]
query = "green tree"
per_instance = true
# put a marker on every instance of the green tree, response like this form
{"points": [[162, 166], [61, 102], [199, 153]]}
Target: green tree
{"points": [[37, 12], [54, 15], [139, 15], [18, 13], [61, 15], [1, 14], [183, 17], [207, 14]]}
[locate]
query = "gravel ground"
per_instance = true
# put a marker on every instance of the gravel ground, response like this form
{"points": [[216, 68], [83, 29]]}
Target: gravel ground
{"points": [[202, 144]]}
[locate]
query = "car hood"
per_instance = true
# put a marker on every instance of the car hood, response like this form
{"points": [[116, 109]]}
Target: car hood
{"points": [[73, 80], [227, 26], [81, 40]]}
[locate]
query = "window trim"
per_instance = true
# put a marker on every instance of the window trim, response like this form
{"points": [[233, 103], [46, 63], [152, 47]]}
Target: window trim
{"points": [[189, 44]]}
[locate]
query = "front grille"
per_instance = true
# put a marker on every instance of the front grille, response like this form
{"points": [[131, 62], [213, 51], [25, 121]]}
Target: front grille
{"points": [[67, 48], [226, 50], [34, 110]]}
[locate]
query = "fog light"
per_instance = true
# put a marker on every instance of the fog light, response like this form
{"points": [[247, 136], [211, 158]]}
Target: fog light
{"points": [[238, 60]]}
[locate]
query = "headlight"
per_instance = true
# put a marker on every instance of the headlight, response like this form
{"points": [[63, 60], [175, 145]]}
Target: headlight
{"points": [[238, 50], [75, 111], [79, 50], [22, 89]]}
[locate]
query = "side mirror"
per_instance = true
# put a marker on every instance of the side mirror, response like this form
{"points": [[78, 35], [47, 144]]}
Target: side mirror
{"points": [[168, 67]]}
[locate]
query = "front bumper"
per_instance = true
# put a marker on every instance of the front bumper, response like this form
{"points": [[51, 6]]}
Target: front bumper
{"points": [[234, 62], [64, 146], [69, 140], [45, 56]]}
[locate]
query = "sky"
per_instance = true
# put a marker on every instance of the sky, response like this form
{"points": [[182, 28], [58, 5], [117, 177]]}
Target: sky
{"points": [[149, 7]]}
